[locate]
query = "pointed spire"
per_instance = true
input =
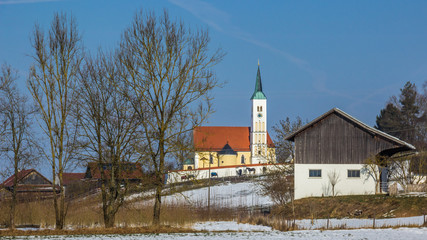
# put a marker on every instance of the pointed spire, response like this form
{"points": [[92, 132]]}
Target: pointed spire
{"points": [[258, 94]]}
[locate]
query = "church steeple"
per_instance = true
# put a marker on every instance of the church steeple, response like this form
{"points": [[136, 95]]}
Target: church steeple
{"points": [[259, 123], [258, 94]]}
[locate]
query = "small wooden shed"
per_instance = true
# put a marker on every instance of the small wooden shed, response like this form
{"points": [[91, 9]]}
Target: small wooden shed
{"points": [[338, 144], [31, 185]]}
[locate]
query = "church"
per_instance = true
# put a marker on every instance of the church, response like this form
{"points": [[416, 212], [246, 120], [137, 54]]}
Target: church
{"points": [[235, 147]]}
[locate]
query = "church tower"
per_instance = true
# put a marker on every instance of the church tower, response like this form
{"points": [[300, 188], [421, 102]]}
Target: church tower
{"points": [[259, 123]]}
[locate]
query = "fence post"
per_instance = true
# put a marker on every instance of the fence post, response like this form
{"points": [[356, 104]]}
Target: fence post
{"points": [[373, 225]]}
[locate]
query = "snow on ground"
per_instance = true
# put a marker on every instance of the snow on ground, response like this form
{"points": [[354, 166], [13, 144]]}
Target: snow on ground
{"points": [[243, 194], [371, 234], [359, 223], [230, 226]]}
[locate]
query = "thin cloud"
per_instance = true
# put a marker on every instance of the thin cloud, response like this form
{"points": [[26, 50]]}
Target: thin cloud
{"points": [[221, 21], [10, 2], [205, 12]]}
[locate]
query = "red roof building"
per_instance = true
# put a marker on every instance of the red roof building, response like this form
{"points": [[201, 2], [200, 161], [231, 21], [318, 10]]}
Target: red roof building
{"points": [[130, 171], [215, 138], [235, 146], [30, 185]]}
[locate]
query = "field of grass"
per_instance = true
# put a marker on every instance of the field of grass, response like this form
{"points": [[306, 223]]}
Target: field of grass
{"points": [[360, 206], [87, 212]]}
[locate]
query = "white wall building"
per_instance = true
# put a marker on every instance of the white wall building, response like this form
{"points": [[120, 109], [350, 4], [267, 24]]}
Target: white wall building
{"points": [[338, 143]]}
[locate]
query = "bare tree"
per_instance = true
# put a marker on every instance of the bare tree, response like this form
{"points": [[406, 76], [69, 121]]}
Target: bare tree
{"points": [[109, 131], [333, 178], [170, 76], [285, 149], [16, 145], [278, 184], [408, 168], [52, 81], [372, 167]]}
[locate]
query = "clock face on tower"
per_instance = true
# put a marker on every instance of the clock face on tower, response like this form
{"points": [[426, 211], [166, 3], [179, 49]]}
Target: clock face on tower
{"points": [[260, 115]]}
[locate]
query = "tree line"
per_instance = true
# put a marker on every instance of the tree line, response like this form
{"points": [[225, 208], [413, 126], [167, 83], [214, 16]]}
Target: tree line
{"points": [[135, 103]]}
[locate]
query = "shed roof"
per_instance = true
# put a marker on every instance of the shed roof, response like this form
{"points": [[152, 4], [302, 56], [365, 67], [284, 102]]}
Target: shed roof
{"points": [[68, 178], [129, 170], [215, 138], [21, 175], [360, 124]]}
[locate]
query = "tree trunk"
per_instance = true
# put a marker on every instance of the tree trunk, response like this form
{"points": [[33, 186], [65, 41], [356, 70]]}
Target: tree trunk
{"points": [[109, 218], [13, 203], [157, 206]]}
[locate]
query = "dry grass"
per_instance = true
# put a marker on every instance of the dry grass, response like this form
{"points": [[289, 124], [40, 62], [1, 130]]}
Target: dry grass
{"points": [[368, 206], [98, 231], [274, 222], [87, 213]]}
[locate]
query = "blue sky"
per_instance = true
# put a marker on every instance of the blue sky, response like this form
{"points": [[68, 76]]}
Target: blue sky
{"points": [[314, 55]]}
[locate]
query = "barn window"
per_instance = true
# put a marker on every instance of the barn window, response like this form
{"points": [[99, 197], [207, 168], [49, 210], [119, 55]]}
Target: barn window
{"points": [[353, 173], [315, 173], [242, 160]]}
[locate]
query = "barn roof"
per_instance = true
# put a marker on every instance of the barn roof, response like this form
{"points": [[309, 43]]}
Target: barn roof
{"points": [[360, 124], [20, 176], [130, 170], [215, 138], [68, 178]]}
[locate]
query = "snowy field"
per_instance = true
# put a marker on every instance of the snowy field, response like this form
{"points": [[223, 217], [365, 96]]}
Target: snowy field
{"points": [[244, 194], [246, 231], [359, 223]]}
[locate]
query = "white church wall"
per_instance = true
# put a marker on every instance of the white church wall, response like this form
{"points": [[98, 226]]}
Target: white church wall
{"points": [[188, 175], [306, 186]]}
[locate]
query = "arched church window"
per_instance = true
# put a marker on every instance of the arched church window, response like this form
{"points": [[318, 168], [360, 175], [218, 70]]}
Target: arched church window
{"points": [[260, 108], [189, 168], [256, 127], [242, 159], [263, 138], [263, 126], [210, 159]]}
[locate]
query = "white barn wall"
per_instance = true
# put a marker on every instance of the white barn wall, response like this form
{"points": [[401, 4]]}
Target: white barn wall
{"points": [[306, 186]]}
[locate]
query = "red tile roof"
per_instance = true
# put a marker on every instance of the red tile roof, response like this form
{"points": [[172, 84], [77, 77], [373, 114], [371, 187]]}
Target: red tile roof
{"points": [[131, 170], [215, 138], [21, 175], [68, 178]]}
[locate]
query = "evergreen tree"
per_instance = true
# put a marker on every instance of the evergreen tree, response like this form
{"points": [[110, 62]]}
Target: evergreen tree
{"points": [[390, 121], [403, 118]]}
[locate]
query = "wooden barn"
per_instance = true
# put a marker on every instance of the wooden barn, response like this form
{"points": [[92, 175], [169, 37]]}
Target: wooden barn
{"points": [[31, 185], [332, 151], [130, 172]]}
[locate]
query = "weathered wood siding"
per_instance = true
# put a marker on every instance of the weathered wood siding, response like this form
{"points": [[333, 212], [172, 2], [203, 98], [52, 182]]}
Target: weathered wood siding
{"points": [[34, 179], [335, 140]]}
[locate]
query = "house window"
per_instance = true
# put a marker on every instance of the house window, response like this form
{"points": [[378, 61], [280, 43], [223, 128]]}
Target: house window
{"points": [[353, 173], [242, 160], [315, 173]]}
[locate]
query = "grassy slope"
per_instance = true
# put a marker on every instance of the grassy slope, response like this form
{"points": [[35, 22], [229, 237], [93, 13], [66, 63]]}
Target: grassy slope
{"points": [[378, 206]]}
